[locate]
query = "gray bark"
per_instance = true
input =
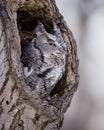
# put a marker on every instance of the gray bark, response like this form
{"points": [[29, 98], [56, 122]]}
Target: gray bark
{"points": [[21, 108]]}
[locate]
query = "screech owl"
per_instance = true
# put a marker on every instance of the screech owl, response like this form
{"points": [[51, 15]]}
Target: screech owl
{"points": [[44, 60]]}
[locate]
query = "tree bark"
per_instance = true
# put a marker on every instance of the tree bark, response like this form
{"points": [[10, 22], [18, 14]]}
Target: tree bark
{"points": [[21, 108]]}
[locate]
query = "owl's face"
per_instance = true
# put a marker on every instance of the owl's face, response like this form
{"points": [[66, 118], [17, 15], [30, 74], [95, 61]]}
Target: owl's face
{"points": [[44, 40]]}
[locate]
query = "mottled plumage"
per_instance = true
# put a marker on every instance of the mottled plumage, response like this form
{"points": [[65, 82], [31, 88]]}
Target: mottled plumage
{"points": [[44, 60]]}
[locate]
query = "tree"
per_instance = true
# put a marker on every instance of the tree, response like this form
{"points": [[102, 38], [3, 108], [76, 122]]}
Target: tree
{"points": [[20, 107]]}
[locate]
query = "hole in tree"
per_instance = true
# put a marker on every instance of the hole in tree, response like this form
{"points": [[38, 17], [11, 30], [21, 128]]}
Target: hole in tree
{"points": [[25, 21], [26, 25], [7, 102], [19, 124]]}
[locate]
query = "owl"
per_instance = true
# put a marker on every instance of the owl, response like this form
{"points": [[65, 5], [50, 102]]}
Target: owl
{"points": [[44, 60]]}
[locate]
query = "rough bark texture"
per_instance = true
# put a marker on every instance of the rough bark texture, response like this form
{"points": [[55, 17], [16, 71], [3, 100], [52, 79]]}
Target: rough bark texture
{"points": [[21, 108]]}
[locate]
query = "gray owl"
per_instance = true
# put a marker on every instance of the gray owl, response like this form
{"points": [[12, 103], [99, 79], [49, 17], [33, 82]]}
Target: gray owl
{"points": [[44, 60]]}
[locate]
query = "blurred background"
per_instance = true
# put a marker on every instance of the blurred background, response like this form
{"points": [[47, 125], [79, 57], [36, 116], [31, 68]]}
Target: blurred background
{"points": [[86, 20]]}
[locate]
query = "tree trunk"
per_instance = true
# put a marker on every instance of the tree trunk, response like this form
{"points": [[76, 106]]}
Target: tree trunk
{"points": [[21, 108]]}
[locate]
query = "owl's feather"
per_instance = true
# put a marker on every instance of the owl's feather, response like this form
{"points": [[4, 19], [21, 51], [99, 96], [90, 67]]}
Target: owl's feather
{"points": [[45, 58]]}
